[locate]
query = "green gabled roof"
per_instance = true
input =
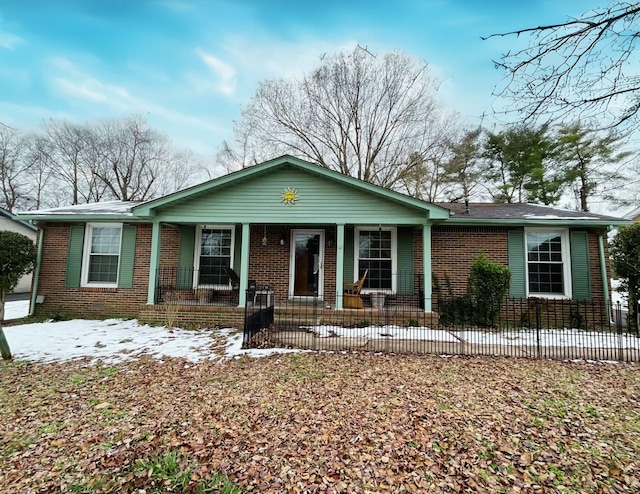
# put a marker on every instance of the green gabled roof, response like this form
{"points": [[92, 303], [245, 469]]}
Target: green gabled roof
{"points": [[150, 207]]}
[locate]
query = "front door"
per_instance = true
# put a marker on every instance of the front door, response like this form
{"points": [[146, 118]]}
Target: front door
{"points": [[307, 260]]}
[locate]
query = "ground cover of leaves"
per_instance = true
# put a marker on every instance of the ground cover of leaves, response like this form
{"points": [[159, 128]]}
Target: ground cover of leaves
{"points": [[321, 423]]}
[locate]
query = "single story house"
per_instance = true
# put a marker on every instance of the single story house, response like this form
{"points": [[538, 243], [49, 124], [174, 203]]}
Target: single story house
{"points": [[8, 222], [304, 231]]}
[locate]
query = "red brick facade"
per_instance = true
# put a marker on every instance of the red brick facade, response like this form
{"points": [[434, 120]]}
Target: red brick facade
{"points": [[453, 251]]}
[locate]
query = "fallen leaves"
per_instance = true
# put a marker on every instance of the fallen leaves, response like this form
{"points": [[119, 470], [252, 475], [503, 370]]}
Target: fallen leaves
{"points": [[323, 423]]}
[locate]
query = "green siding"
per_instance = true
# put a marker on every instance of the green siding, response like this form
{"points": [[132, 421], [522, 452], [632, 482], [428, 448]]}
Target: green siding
{"points": [[517, 266], [74, 256], [405, 261], [127, 257], [320, 201], [185, 257], [237, 249], [580, 265], [348, 254]]}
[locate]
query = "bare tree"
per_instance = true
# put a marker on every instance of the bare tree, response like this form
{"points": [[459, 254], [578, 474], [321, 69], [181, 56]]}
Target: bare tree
{"points": [[15, 185], [360, 114], [72, 158], [579, 68], [135, 162]]}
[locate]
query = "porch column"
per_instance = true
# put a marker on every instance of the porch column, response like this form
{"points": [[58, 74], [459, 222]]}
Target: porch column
{"points": [[244, 265], [154, 261], [339, 265], [426, 265]]}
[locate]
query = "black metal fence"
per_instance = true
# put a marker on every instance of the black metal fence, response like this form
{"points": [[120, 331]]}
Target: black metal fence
{"points": [[538, 328]]}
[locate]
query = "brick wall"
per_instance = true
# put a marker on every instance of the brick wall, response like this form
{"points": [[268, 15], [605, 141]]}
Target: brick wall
{"points": [[269, 264], [453, 251]]}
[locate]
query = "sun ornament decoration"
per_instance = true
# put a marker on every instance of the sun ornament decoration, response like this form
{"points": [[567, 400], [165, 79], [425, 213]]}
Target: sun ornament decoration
{"points": [[289, 196]]}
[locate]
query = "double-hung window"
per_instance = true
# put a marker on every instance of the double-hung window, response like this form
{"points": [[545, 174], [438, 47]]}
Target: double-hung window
{"points": [[376, 253], [548, 269], [101, 254], [214, 253]]}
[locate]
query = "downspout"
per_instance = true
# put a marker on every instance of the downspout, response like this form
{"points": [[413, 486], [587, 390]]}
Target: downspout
{"points": [[603, 271], [36, 274]]}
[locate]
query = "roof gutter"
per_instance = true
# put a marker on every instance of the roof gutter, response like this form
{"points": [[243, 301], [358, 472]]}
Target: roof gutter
{"points": [[603, 271], [36, 274]]}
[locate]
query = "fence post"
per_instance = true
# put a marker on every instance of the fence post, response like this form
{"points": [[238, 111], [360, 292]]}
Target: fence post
{"points": [[538, 323], [619, 329]]}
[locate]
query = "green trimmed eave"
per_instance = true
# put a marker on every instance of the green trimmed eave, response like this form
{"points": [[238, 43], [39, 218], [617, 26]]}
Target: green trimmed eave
{"points": [[162, 205], [564, 223]]}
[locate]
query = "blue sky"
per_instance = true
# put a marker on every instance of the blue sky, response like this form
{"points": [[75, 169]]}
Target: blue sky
{"points": [[189, 66]]}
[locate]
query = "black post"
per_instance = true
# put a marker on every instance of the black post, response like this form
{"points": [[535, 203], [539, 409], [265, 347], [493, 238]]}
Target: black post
{"points": [[538, 323], [619, 329]]}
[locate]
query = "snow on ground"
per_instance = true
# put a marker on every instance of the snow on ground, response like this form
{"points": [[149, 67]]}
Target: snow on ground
{"points": [[114, 340], [524, 337], [399, 332], [16, 310]]}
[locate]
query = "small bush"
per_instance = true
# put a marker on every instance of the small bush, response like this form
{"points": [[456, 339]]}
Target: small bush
{"points": [[488, 289]]}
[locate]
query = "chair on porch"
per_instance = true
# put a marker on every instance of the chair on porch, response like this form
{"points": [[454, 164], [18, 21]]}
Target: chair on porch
{"points": [[234, 281], [352, 298]]}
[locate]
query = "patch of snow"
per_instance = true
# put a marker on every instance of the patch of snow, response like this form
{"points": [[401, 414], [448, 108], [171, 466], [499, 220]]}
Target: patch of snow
{"points": [[396, 332], [525, 337], [115, 340], [556, 217], [16, 310]]}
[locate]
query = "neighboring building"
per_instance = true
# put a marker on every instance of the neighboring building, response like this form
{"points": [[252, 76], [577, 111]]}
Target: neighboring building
{"points": [[8, 222], [304, 230], [633, 215]]}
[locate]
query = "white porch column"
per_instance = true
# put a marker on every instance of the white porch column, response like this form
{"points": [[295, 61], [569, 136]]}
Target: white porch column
{"points": [[339, 265], [426, 265], [244, 265], [154, 261]]}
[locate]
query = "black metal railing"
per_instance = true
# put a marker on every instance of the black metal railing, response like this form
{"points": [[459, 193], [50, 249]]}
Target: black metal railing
{"points": [[537, 328], [180, 286]]}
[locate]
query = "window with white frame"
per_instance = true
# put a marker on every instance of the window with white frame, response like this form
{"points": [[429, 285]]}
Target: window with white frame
{"points": [[376, 253], [214, 254], [101, 254], [548, 269]]}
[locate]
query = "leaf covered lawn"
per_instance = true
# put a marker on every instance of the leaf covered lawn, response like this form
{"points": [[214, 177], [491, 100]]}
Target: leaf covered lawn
{"points": [[320, 423]]}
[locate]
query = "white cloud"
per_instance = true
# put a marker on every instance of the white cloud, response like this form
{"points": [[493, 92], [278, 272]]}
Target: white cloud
{"points": [[8, 40], [225, 74], [273, 57]]}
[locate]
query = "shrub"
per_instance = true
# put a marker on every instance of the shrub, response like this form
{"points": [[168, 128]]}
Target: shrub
{"points": [[488, 289]]}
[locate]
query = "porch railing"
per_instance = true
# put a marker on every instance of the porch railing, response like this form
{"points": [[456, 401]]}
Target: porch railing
{"points": [[176, 285]]}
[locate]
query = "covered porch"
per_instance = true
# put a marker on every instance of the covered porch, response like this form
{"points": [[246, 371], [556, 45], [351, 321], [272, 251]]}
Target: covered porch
{"points": [[237, 265]]}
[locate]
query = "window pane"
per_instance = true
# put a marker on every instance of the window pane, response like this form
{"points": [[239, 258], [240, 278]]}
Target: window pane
{"points": [[105, 240], [545, 264], [379, 276], [375, 255], [215, 242], [212, 270], [545, 278], [103, 269], [215, 256]]}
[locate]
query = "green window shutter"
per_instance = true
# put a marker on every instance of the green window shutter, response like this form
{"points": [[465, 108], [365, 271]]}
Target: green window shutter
{"points": [[405, 261], [184, 278], [348, 254], [580, 265], [74, 256], [517, 264], [237, 249], [127, 256]]}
